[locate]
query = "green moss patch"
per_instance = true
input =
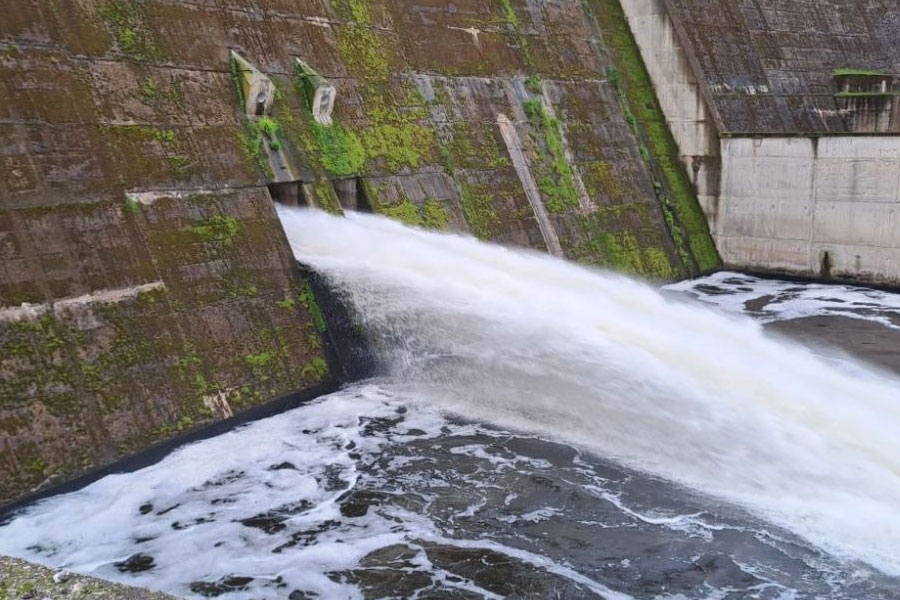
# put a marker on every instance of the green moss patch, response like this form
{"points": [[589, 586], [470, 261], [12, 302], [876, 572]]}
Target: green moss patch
{"points": [[126, 20], [478, 210], [363, 51], [340, 150], [554, 176], [640, 106], [308, 300], [399, 144], [260, 359], [217, 228], [431, 215], [606, 243], [845, 71], [315, 370]]}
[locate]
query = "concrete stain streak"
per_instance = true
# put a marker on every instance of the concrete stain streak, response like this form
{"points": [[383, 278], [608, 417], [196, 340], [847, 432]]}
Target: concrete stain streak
{"points": [[516, 153], [471, 31], [584, 201], [34, 311], [149, 197]]}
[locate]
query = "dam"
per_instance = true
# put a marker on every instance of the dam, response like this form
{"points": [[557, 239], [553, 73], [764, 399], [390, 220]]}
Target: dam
{"points": [[516, 432], [387, 298]]}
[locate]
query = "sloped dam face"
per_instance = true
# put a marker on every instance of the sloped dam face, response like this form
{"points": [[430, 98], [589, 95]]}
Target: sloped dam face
{"points": [[536, 430]]}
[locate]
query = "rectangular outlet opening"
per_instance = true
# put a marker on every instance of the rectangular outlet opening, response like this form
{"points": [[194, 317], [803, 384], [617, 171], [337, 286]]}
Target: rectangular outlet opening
{"points": [[352, 195], [288, 193]]}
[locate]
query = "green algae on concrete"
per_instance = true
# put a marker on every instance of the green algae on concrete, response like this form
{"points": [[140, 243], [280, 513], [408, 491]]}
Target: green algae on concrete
{"points": [[631, 82], [399, 143], [133, 38], [477, 205], [340, 150], [431, 215], [555, 178], [606, 244], [218, 228], [362, 49], [860, 94], [126, 120], [21, 580], [182, 335], [434, 215]]}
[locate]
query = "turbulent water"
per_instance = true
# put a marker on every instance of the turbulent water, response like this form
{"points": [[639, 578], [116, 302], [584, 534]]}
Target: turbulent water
{"points": [[540, 430], [770, 300]]}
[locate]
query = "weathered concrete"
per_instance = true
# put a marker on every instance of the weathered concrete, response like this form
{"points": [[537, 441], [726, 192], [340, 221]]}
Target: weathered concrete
{"points": [[680, 96], [20, 580], [812, 206], [768, 66], [133, 156], [523, 170]]}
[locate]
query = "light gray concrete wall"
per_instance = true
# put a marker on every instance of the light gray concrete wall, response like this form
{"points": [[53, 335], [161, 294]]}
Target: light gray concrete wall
{"points": [[777, 204], [680, 96], [785, 202]]}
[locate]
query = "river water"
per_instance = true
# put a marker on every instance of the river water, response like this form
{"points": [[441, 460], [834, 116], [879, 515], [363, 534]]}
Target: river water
{"points": [[538, 430]]}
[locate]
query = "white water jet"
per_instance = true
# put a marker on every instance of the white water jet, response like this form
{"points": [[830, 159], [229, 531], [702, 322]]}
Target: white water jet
{"points": [[599, 360]]}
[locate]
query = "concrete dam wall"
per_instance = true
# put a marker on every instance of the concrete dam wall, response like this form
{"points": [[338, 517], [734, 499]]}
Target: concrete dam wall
{"points": [[146, 287], [787, 114]]}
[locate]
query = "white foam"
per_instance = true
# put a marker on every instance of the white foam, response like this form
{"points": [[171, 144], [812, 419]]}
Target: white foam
{"points": [[91, 529], [791, 300], [597, 359], [202, 494]]}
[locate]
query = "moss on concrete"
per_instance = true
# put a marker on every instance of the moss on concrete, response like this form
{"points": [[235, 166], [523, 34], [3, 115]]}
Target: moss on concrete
{"points": [[472, 145], [555, 177], [229, 289], [514, 27], [434, 215], [126, 20], [340, 150], [308, 300], [315, 370], [218, 228], [259, 359], [631, 82], [430, 215], [362, 49], [607, 244], [325, 197], [20, 580], [180, 164], [399, 144], [79, 374], [478, 209], [847, 71], [404, 211]]}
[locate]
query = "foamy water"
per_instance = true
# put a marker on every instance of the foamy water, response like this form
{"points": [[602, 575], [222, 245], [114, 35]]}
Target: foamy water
{"points": [[770, 300], [543, 430], [277, 507], [608, 363]]}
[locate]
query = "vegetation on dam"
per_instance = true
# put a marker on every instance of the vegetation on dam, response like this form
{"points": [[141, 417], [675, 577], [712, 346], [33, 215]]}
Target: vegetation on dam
{"points": [[156, 177], [158, 287]]}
